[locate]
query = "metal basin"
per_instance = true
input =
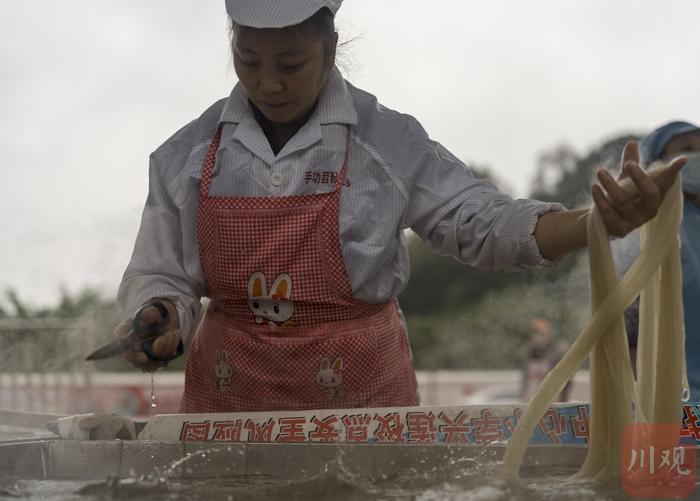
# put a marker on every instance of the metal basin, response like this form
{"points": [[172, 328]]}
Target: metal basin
{"points": [[75, 459]]}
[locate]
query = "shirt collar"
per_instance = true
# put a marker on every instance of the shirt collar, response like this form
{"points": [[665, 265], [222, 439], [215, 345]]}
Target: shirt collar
{"points": [[335, 104]]}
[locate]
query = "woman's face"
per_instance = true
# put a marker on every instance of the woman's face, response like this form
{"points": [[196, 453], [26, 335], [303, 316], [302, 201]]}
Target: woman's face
{"points": [[282, 70]]}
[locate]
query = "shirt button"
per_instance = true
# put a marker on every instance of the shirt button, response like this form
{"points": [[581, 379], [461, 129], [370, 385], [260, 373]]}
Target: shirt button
{"points": [[276, 179]]}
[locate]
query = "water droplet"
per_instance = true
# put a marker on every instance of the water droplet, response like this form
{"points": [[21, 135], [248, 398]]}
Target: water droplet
{"points": [[685, 396], [153, 391]]}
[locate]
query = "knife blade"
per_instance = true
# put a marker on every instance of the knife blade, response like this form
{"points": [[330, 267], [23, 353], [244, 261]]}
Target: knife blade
{"points": [[140, 333], [131, 342]]}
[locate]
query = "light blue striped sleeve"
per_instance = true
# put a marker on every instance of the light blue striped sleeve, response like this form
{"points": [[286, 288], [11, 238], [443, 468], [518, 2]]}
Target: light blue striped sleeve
{"points": [[468, 218]]}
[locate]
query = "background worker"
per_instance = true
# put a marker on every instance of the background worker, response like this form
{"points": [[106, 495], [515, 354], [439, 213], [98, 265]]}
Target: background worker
{"points": [[665, 143]]}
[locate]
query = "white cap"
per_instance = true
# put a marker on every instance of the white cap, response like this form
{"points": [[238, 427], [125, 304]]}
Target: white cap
{"points": [[276, 13]]}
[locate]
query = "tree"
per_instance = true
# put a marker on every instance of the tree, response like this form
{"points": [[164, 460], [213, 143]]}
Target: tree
{"points": [[21, 310], [551, 167], [441, 284]]}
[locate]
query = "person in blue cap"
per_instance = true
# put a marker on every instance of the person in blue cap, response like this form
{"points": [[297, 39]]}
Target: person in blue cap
{"points": [[665, 143]]}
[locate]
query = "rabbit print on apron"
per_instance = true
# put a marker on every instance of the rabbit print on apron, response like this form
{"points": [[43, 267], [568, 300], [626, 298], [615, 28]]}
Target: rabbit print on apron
{"points": [[223, 371], [331, 378], [275, 307], [304, 343]]}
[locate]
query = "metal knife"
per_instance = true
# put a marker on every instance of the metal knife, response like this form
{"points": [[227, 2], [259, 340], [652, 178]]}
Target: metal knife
{"points": [[140, 333]]}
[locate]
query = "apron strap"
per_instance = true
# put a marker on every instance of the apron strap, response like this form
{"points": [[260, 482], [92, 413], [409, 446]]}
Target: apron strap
{"points": [[209, 162]]}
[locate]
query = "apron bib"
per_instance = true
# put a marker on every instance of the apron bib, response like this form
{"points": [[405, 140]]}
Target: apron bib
{"points": [[283, 330]]}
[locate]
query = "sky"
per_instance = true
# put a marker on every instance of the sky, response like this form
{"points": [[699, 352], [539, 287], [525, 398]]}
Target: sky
{"points": [[88, 88]]}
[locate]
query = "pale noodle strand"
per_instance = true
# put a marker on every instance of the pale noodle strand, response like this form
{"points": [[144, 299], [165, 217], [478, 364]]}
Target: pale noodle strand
{"points": [[656, 274]]}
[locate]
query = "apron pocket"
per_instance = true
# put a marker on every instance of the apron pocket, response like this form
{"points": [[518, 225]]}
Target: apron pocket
{"points": [[279, 372]]}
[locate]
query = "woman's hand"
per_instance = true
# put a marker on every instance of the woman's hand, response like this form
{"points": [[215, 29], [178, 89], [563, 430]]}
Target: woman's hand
{"points": [[622, 212], [165, 346], [558, 233]]}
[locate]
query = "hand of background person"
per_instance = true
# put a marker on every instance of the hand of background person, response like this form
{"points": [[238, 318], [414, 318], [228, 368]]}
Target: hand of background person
{"points": [[621, 212], [165, 346]]}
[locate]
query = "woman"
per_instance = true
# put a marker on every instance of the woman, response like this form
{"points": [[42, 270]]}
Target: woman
{"points": [[285, 205]]}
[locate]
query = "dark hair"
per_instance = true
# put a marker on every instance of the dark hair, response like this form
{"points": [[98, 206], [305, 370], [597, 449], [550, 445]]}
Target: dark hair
{"points": [[322, 22]]}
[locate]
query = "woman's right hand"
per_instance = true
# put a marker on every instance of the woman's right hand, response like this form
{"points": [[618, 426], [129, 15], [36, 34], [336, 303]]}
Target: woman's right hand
{"points": [[165, 346]]}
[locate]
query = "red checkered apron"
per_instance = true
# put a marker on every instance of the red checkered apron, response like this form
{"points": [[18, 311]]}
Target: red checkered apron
{"points": [[283, 330]]}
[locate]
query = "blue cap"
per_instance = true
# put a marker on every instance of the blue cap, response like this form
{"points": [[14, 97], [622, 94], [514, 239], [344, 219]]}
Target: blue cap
{"points": [[652, 147]]}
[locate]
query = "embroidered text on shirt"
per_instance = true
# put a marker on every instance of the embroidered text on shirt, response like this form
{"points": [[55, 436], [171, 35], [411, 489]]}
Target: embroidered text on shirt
{"points": [[323, 177]]}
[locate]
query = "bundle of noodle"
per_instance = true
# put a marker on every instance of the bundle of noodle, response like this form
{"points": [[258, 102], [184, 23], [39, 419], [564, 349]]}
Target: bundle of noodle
{"points": [[616, 400]]}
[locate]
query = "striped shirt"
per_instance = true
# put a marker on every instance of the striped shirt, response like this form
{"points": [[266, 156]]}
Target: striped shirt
{"points": [[397, 178]]}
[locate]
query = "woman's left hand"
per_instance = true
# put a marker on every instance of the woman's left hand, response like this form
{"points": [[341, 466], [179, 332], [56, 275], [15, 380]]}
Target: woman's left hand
{"points": [[621, 212]]}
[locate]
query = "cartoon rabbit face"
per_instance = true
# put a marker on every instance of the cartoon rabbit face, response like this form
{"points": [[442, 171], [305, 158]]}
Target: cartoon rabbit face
{"points": [[275, 306], [330, 377]]}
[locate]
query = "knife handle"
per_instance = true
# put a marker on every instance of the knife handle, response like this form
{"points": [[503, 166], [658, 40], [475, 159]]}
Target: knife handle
{"points": [[148, 330]]}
